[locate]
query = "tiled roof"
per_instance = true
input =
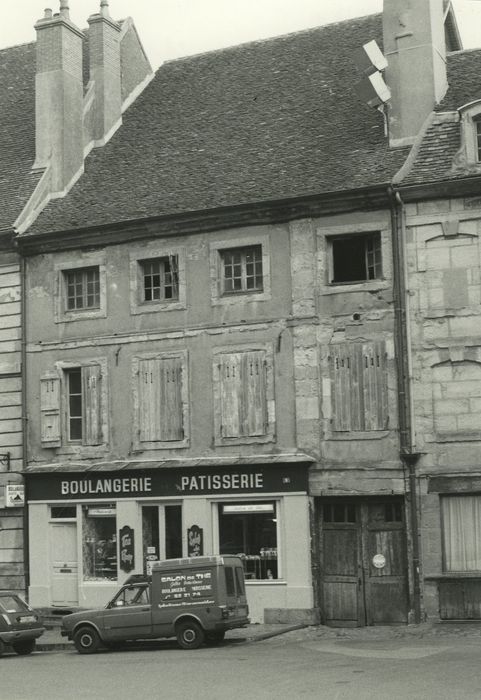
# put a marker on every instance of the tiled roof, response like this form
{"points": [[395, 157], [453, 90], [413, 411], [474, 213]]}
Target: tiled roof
{"points": [[17, 131], [436, 156], [262, 121]]}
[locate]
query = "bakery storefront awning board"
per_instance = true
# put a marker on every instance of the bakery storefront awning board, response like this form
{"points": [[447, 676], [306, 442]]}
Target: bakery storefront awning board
{"points": [[68, 485]]}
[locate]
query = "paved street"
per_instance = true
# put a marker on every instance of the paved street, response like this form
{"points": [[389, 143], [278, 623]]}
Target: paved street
{"points": [[311, 663]]}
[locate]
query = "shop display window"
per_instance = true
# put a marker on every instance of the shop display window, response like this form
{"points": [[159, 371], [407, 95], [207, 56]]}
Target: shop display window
{"points": [[99, 543], [249, 530]]}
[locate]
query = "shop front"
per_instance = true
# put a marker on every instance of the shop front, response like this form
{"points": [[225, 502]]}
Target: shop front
{"points": [[90, 530]]}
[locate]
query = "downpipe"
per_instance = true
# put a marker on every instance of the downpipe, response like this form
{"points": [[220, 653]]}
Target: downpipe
{"points": [[402, 339]]}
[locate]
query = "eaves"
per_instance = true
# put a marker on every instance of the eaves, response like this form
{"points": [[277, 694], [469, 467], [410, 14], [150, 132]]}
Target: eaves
{"points": [[251, 214], [462, 187]]}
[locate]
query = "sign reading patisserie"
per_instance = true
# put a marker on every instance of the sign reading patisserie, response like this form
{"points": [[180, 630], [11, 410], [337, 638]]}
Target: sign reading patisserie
{"points": [[166, 482]]}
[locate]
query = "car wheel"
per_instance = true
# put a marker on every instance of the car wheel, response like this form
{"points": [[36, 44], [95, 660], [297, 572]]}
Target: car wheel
{"points": [[86, 640], [190, 634], [2, 647], [25, 647], [213, 638]]}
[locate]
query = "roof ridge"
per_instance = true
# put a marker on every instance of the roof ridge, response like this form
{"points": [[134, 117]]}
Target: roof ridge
{"points": [[268, 39], [17, 46]]}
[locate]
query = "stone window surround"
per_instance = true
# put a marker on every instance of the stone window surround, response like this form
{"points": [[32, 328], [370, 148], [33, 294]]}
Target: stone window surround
{"points": [[270, 395], [470, 113], [61, 313], [324, 253], [159, 445], [137, 306], [242, 241]]}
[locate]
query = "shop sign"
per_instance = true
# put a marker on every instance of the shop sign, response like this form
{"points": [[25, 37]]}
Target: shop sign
{"points": [[275, 478], [195, 541], [126, 547], [14, 495]]}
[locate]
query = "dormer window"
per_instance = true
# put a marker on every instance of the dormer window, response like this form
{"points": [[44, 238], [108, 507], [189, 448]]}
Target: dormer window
{"points": [[477, 127]]}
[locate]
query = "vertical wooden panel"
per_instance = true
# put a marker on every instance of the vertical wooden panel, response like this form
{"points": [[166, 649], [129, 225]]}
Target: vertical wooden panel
{"points": [[374, 386], [171, 414], [149, 400], [230, 394], [253, 380], [355, 387], [340, 376], [50, 410], [92, 403]]}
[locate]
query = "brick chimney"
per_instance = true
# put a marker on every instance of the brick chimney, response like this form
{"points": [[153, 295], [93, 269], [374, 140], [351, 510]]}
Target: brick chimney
{"points": [[104, 57], [414, 45], [59, 98]]}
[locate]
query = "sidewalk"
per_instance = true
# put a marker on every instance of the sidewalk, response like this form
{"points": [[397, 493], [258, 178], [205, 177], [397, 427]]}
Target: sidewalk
{"points": [[51, 640]]}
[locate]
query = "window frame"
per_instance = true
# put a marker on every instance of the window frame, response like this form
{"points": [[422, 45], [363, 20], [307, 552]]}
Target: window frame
{"points": [[141, 445], [217, 248], [62, 314], [140, 256], [270, 408], [242, 252], [63, 445], [279, 515], [84, 282], [162, 274], [443, 498], [367, 236]]}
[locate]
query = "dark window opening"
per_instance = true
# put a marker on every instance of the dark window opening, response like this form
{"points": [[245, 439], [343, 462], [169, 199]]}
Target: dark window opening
{"points": [[339, 513], [74, 415], [63, 512], [356, 258]]}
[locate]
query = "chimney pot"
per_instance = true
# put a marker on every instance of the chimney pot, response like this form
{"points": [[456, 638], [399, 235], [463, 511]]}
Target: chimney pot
{"points": [[64, 9], [104, 8], [48, 13]]}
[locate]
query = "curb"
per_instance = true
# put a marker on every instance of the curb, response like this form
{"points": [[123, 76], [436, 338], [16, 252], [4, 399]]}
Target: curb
{"points": [[64, 646]]}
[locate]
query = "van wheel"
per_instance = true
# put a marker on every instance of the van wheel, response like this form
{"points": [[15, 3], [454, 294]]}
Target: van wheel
{"points": [[190, 634], [86, 640], [24, 648], [213, 638], [2, 647]]}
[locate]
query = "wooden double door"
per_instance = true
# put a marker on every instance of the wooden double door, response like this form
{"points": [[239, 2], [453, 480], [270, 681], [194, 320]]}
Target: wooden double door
{"points": [[363, 562]]}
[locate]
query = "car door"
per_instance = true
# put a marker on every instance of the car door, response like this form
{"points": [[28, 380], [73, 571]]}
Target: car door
{"points": [[129, 614]]}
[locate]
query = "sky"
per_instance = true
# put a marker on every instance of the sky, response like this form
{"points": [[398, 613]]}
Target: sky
{"points": [[172, 28]]}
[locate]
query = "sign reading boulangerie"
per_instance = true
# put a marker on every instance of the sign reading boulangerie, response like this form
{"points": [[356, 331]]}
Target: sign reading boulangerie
{"points": [[275, 478]]}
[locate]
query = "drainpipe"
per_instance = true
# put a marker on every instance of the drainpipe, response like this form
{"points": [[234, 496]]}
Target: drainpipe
{"points": [[402, 336], [23, 359]]}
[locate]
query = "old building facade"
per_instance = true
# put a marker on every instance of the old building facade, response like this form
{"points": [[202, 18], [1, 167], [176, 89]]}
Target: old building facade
{"points": [[250, 321]]}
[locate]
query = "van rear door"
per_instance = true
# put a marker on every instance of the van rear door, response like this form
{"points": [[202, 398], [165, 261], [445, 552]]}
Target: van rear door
{"points": [[235, 591]]}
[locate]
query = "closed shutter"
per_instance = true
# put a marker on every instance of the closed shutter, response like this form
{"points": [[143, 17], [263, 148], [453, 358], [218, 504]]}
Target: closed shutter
{"points": [[230, 394], [92, 404], [359, 392], [374, 386], [340, 365], [50, 410], [253, 394], [171, 410], [149, 400]]}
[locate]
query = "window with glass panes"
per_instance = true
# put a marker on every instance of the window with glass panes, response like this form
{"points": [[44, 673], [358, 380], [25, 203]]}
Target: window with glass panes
{"points": [[160, 279], [74, 415], [82, 289], [242, 269], [477, 123]]}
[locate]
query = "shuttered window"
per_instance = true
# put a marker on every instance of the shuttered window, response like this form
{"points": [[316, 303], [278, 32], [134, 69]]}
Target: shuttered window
{"points": [[161, 410], [359, 389], [243, 394], [83, 406]]}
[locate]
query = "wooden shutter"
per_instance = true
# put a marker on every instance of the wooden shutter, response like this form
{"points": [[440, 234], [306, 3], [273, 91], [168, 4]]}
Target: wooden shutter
{"points": [[50, 410], [374, 386], [92, 405], [171, 409], [149, 400], [253, 393], [340, 364], [230, 394]]}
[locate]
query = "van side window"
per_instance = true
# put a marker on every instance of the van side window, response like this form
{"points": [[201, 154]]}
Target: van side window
{"points": [[239, 576], [229, 580]]}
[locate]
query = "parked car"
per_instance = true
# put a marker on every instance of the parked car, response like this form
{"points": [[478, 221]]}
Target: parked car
{"points": [[20, 626], [195, 600]]}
